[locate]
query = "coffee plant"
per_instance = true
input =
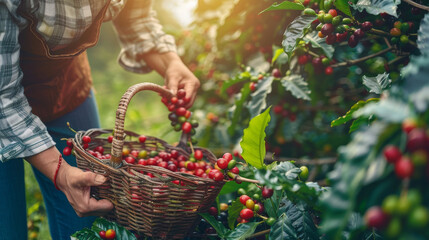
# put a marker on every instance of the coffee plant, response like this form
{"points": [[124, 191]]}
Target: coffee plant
{"points": [[333, 97]]}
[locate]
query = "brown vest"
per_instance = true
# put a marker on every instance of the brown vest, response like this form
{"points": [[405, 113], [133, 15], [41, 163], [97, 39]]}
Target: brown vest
{"points": [[56, 82]]}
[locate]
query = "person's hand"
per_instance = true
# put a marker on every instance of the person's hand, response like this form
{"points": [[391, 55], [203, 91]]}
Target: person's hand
{"points": [[76, 185], [178, 76], [175, 73]]}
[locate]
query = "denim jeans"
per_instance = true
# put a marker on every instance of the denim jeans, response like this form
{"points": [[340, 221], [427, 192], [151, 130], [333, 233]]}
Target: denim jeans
{"points": [[63, 220]]}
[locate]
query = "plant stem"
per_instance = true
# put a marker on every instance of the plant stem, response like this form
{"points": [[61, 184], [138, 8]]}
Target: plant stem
{"points": [[379, 32], [412, 3], [359, 60], [259, 234]]}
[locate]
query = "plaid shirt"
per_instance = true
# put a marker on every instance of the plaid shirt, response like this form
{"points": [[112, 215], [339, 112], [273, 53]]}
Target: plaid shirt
{"points": [[60, 23]]}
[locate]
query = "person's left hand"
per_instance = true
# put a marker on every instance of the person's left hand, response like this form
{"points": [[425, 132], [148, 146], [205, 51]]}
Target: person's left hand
{"points": [[178, 76]]}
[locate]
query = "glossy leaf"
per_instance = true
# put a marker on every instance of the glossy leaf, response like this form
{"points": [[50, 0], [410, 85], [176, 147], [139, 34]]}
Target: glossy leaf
{"points": [[288, 169], [349, 115], [389, 110], [282, 229], [103, 224], [242, 231], [378, 83], [301, 220], [317, 42], [259, 97], [284, 6], [234, 212], [343, 6], [297, 86], [218, 226], [280, 57], [375, 7], [253, 142], [295, 31]]}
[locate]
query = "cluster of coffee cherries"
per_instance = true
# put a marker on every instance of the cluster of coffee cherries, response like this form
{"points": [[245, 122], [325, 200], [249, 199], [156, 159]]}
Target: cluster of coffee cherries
{"points": [[336, 28], [321, 64], [413, 161], [108, 234], [252, 207], [398, 213], [179, 116], [399, 32], [405, 210]]}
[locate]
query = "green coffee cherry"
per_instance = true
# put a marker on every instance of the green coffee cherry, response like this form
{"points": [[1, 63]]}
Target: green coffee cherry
{"points": [[327, 18], [404, 39], [309, 11], [394, 228], [390, 204], [347, 20], [337, 20]]}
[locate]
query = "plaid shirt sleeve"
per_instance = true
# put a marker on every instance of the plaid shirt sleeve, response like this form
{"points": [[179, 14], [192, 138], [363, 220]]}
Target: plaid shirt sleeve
{"points": [[139, 32], [22, 134]]}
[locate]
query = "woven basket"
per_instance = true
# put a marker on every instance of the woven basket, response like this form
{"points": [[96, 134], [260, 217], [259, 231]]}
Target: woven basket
{"points": [[156, 207]]}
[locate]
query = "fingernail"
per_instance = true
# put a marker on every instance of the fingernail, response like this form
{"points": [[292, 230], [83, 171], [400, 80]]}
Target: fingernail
{"points": [[100, 179]]}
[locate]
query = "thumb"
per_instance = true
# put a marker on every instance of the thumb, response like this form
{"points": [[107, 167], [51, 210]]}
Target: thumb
{"points": [[92, 179]]}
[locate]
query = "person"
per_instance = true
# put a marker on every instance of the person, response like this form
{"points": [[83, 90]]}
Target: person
{"points": [[45, 82]]}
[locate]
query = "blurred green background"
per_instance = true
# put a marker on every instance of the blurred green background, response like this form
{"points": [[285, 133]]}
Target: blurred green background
{"points": [[145, 115]]}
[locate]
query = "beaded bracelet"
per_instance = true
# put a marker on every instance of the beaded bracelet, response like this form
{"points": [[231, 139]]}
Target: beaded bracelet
{"points": [[56, 172]]}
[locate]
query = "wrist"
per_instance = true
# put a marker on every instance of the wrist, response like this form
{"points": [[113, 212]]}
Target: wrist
{"points": [[46, 162]]}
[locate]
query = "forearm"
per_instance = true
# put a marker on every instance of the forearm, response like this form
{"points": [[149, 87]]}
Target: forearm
{"points": [[160, 61], [46, 162]]}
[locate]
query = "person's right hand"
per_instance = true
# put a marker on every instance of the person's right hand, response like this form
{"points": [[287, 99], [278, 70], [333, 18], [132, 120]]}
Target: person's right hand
{"points": [[76, 185]]}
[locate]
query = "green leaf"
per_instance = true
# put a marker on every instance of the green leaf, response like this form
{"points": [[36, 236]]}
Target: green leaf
{"points": [[232, 186], [238, 107], [253, 142], [301, 220], [295, 31], [288, 169], [317, 42], [353, 109], [271, 205], [389, 110], [377, 84], [358, 123], [280, 56], [259, 97], [282, 229], [284, 6], [297, 86], [375, 7], [86, 233], [242, 231], [343, 6], [218, 226], [234, 212], [241, 77]]}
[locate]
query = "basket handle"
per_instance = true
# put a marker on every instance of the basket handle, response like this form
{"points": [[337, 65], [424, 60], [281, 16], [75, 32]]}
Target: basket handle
{"points": [[118, 135]]}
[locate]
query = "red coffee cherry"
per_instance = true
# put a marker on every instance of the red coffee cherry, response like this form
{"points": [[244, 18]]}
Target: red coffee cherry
{"points": [[376, 218], [404, 168], [246, 214], [392, 153]]}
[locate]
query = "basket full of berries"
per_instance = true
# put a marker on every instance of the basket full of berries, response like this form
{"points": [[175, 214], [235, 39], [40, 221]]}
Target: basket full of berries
{"points": [[157, 189]]}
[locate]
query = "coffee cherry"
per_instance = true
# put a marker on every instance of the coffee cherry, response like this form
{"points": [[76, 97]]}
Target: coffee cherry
{"points": [[102, 234], [303, 175], [246, 214], [417, 139], [218, 176], [86, 139], [130, 160], [395, 32], [333, 12], [329, 70], [222, 163], [243, 199], [390, 204], [270, 221], [250, 204], [267, 192], [409, 124], [142, 138], [235, 170], [213, 211], [366, 26], [359, 33], [376, 218], [419, 217], [181, 93], [327, 29], [404, 168], [181, 111], [276, 73], [67, 151], [328, 18], [404, 39], [353, 41], [110, 234], [252, 86], [303, 59], [110, 139], [186, 127], [392, 153], [331, 39]]}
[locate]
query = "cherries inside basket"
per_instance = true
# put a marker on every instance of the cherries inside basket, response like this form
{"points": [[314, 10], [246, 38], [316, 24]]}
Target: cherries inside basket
{"points": [[157, 189]]}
